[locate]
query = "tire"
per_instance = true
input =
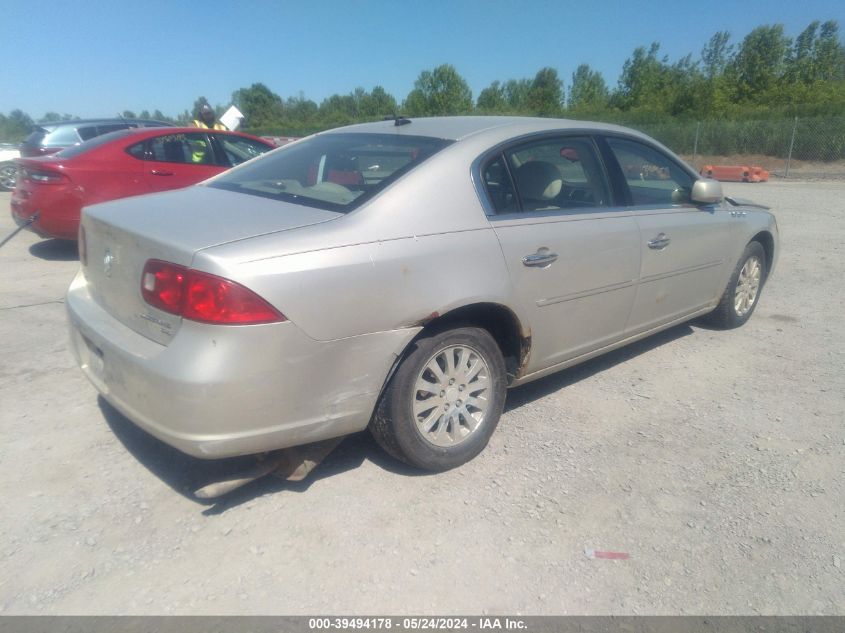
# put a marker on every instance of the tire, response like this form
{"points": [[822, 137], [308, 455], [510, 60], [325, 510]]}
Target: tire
{"points": [[743, 291], [437, 428], [8, 176]]}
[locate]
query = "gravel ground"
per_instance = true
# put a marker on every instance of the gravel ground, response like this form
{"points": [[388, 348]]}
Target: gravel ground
{"points": [[715, 459]]}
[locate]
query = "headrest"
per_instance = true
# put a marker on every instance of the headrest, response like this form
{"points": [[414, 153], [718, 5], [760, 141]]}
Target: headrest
{"points": [[538, 180]]}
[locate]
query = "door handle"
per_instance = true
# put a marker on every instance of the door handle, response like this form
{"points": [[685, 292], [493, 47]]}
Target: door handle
{"points": [[160, 172], [542, 258], [659, 243]]}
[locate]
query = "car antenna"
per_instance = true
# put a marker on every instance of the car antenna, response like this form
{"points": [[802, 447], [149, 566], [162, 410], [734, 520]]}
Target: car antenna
{"points": [[398, 120]]}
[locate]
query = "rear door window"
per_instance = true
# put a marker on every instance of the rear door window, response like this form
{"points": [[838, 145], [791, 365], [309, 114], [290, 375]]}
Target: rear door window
{"points": [[181, 148], [548, 175], [111, 127], [497, 181], [86, 132], [138, 150]]}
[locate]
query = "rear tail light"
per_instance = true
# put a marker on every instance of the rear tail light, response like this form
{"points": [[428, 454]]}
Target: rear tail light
{"points": [[45, 176], [202, 297], [28, 151]]}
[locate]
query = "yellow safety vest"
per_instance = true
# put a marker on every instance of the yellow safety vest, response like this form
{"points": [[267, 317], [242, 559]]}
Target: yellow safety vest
{"points": [[217, 125]]}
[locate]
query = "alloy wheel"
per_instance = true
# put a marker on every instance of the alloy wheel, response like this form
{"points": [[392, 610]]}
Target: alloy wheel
{"points": [[451, 395], [747, 286]]}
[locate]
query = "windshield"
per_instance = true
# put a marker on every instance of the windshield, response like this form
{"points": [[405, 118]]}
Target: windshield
{"points": [[337, 172]]}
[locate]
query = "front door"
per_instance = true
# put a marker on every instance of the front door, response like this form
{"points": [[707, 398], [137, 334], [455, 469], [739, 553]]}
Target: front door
{"points": [[684, 246]]}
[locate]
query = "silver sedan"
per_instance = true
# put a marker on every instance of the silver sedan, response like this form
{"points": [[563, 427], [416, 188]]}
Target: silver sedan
{"points": [[400, 275]]}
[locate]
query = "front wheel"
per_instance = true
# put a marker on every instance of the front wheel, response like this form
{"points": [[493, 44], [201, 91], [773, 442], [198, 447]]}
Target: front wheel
{"points": [[444, 401], [743, 291], [8, 176]]}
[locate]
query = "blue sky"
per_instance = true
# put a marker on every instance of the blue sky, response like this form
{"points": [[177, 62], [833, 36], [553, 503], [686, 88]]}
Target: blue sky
{"points": [[95, 58]]}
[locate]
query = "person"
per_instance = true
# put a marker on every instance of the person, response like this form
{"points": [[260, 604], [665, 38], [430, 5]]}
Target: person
{"points": [[199, 151], [206, 119]]}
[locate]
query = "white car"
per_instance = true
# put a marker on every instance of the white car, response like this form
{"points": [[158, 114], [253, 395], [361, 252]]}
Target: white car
{"points": [[8, 170]]}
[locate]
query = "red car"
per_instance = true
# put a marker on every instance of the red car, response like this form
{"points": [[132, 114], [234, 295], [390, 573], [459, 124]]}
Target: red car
{"points": [[118, 165]]}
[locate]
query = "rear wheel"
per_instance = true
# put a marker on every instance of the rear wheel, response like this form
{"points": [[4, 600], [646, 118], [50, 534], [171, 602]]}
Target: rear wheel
{"points": [[743, 291], [444, 401], [8, 176]]}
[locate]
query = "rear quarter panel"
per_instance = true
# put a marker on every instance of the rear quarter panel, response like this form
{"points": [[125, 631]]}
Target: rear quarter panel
{"points": [[109, 177], [423, 246]]}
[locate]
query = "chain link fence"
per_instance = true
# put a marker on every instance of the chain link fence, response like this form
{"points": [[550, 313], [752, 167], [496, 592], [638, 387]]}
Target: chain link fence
{"points": [[788, 148]]}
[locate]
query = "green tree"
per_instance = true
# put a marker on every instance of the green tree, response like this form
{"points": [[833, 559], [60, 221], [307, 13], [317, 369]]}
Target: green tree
{"points": [[15, 127], [128, 114], [759, 64], [717, 91], [545, 96], [492, 99], [829, 53], [340, 105], [516, 94], [685, 89], [816, 55], [50, 117], [643, 79], [588, 90], [377, 104], [260, 106], [439, 92], [301, 115], [716, 54]]}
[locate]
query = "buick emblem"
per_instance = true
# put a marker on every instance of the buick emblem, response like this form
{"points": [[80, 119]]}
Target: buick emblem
{"points": [[108, 260]]}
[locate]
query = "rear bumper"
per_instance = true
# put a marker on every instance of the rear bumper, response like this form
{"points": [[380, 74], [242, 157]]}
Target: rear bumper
{"points": [[58, 213], [220, 391]]}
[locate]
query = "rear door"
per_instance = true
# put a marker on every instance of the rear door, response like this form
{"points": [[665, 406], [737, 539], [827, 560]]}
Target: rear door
{"points": [[684, 246], [572, 254], [179, 160]]}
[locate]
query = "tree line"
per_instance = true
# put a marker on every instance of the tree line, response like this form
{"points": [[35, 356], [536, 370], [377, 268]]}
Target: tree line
{"points": [[766, 74]]}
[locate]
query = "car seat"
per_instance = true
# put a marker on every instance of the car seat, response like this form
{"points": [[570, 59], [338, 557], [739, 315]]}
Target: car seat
{"points": [[539, 184]]}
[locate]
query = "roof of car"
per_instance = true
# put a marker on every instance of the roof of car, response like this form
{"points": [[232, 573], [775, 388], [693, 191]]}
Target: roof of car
{"points": [[78, 122], [187, 129], [460, 127]]}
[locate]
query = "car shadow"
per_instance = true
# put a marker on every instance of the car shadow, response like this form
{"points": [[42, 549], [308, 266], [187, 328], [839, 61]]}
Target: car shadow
{"points": [[55, 250], [186, 474]]}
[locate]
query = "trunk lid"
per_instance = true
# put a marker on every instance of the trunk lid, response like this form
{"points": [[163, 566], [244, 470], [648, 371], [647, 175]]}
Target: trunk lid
{"points": [[120, 236]]}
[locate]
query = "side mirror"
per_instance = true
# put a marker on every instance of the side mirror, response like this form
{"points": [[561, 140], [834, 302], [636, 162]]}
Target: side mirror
{"points": [[707, 191]]}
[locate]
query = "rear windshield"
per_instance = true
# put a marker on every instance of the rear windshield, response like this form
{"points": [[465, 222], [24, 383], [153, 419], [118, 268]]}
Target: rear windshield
{"points": [[61, 136], [76, 150], [34, 139], [337, 172]]}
